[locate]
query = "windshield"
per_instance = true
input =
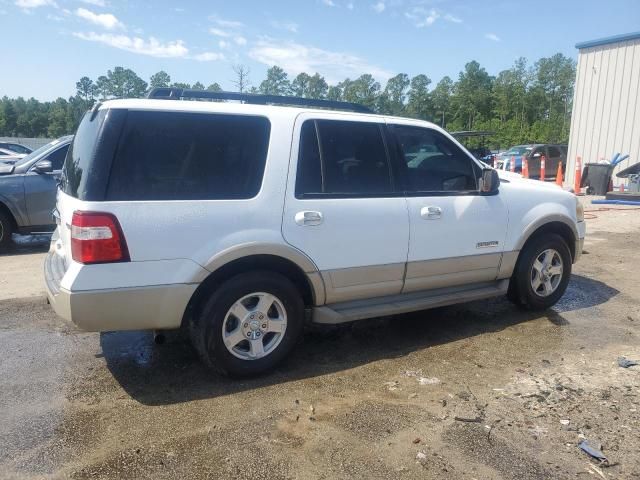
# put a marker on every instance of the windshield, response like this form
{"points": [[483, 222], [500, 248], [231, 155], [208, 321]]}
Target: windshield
{"points": [[518, 150], [37, 152]]}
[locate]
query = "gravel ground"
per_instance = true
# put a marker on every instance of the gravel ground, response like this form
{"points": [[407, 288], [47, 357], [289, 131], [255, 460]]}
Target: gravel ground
{"points": [[480, 390]]}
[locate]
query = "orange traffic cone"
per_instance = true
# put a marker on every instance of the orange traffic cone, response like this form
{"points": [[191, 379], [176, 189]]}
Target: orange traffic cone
{"points": [[512, 164], [578, 176], [559, 175], [542, 167], [525, 167]]}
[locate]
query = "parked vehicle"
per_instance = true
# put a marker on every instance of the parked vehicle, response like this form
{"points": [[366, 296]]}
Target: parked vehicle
{"points": [[7, 156], [16, 147], [554, 154], [28, 191], [234, 219]]}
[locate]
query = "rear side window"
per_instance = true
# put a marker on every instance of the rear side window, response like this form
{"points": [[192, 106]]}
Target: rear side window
{"points": [[189, 156], [342, 158], [553, 152], [76, 175]]}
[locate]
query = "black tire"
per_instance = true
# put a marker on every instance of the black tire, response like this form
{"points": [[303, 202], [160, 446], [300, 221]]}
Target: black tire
{"points": [[520, 289], [205, 329], [6, 229]]}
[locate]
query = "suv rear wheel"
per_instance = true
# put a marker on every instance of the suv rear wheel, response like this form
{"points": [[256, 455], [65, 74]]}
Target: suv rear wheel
{"points": [[250, 323], [6, 229], [542, 273]]}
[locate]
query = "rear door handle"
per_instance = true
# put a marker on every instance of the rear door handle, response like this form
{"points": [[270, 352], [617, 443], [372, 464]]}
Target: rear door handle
{"points": [[431, 213], [308, 218]]}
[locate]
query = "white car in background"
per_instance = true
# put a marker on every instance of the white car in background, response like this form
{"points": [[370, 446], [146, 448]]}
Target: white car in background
{"points": [[240, 221]]}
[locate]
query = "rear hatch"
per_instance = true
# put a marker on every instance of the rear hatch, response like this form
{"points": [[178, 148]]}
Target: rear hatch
{"points": [[86, 171]]}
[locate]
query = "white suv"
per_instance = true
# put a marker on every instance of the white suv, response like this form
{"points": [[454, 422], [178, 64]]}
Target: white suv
{"points": [[241, 220]]}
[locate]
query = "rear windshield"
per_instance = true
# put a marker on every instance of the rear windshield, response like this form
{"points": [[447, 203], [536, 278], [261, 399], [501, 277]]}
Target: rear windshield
{"points": [[189, 156]]}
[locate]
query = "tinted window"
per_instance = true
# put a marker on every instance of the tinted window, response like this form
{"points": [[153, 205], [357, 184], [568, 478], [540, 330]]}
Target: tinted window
{"points": [[191, 156], [309, 176], [57, 158], [352, 159], [80, 154], [553, 152], [433, 162]]}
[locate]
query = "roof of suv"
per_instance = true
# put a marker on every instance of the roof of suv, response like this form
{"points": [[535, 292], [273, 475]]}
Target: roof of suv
{"points": [[244, 109]]}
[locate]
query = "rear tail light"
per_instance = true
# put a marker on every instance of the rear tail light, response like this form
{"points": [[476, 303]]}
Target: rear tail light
{"points": [[96, 237]]}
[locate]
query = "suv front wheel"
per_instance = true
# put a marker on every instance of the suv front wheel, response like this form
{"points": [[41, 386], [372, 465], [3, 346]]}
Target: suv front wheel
{"points": [[250, 323], [542, 273]]}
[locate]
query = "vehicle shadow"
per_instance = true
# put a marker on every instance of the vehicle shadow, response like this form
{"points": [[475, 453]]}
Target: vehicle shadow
{"points": [[27, 244], [172, 373]]}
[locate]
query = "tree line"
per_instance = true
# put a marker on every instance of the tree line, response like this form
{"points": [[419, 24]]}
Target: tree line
{"points": [[523, 104]]}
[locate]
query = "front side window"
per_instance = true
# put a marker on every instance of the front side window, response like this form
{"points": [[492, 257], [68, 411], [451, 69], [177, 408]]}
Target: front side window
{"points": [[342, 158], [57, 158], [189, 156], [433, 162]]}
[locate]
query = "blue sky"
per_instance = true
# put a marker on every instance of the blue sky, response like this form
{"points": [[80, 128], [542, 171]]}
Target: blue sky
{"points": [[47, 45]]}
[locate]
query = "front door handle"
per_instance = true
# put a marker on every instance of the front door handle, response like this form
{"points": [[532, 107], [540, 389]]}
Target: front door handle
{"points": [[308, 218], [431, 213]]}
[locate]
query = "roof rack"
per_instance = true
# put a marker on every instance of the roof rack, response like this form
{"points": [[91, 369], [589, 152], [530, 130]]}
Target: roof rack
{"points": [[170, 93]]}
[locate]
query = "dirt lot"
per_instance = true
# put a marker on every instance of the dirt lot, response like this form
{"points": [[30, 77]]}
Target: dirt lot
{"points": [[380, 399]]}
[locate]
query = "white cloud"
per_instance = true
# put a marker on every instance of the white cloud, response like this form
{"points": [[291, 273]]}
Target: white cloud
{"points": [[151, 47], [208, 56], [223, 44], [29, 4], [350, 6], [422, 17], [329, 3], [288, 26], [240, 40], [218, 32], [451, 18], [492, 37], [296, 58], [97, 3], [221, 22], [379, 7], [105, 20]]}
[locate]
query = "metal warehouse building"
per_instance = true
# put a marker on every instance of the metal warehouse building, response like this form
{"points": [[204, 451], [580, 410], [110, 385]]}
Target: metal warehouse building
{"points": [[606, 104]]}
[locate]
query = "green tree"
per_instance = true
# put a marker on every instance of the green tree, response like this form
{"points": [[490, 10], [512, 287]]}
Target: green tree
{"points": [[58, 118], [472, 95], [317, 87], [86, 89], [198, 86], [300, 85], [181, 85], [9, 116], [214, 87], [418, 105], [364, 90], [124, 83], [160, 80], [393, 98], [440, 98], [276, 83]]}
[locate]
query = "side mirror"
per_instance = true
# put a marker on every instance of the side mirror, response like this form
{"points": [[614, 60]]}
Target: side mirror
{"points": [[44, 166], [490, 181]]}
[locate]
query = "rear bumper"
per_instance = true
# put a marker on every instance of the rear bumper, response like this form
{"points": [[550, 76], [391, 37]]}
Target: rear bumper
{"points": [[582, 230], [133, 308]]}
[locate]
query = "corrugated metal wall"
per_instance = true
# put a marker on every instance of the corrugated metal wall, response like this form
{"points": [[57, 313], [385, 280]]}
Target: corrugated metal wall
{"points": [[32, 143], [606, 106]]}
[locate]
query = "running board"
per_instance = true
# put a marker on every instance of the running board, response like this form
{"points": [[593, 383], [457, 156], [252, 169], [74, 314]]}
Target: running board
{"points": [[407, 302]]}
